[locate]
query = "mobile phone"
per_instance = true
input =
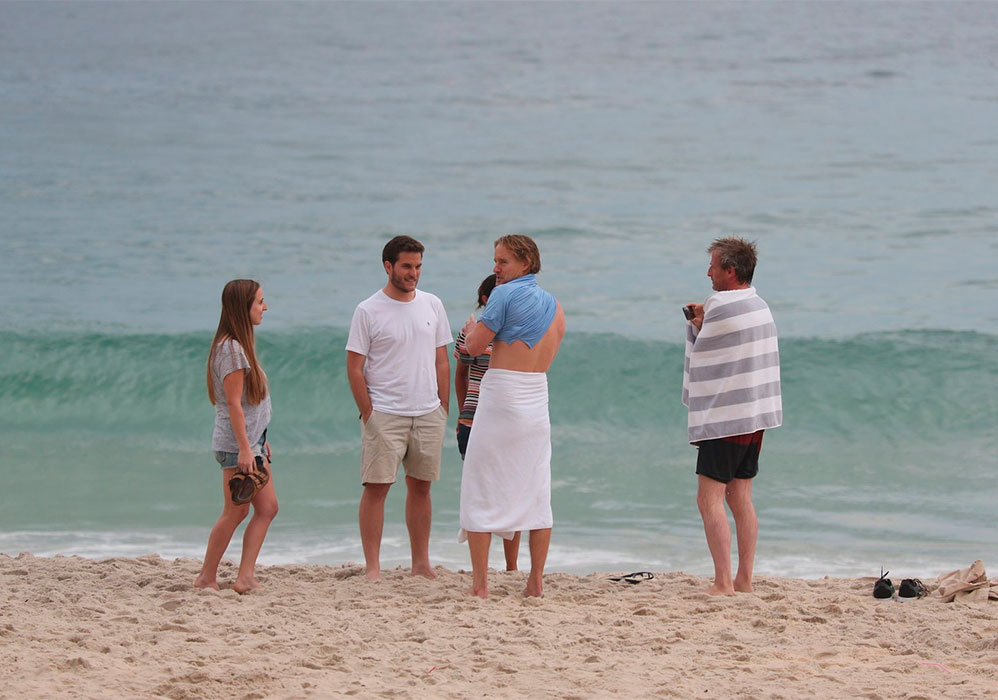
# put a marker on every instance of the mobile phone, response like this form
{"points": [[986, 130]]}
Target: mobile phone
{"points": [[688, 312]]}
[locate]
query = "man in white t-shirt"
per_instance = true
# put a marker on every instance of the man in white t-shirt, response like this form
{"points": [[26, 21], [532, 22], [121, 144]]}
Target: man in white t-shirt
{"points": [[399, 373]]}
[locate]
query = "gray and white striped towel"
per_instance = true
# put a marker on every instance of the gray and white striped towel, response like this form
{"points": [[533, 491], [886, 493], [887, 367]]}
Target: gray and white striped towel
{"points": [[731, 376]]}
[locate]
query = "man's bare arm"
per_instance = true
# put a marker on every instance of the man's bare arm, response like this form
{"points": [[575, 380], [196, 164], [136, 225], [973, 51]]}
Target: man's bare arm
{"points": [[443, 377], [477, 337], [358, 385]]}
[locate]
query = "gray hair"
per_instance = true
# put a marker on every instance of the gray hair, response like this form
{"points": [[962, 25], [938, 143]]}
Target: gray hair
{"points": [[737, 253]]}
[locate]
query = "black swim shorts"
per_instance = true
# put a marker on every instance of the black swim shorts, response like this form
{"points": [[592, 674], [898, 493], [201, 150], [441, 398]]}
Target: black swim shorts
{"points": [[735, 457]]}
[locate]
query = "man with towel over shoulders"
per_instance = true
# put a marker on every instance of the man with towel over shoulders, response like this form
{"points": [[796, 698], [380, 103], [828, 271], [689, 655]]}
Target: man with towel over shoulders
{"points": [[506, 481], [731, 386]]}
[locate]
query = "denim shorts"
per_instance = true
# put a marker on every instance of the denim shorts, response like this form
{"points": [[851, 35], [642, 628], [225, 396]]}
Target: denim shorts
{"points": [[229, 460]]}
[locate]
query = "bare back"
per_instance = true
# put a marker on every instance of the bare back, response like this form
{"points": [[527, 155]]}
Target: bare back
{"points": [[517, 356]]}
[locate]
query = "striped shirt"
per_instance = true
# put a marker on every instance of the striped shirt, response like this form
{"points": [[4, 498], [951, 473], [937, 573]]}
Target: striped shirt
{"points": [[731, 376], [476, 370]]}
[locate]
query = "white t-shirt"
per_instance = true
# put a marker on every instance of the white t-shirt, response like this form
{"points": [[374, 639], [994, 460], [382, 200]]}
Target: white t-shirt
{"points": [[400, 340]]}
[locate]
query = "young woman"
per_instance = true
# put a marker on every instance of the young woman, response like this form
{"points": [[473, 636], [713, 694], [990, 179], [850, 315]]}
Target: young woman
{"points": [[238, 387]]}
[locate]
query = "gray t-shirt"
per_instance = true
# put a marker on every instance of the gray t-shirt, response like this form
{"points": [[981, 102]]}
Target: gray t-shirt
{"points": [[229, 357]]}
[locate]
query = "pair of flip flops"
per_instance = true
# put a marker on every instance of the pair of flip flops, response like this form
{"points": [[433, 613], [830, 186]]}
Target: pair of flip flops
{"points": [[635, 577], [244, 487], [909, 588]]}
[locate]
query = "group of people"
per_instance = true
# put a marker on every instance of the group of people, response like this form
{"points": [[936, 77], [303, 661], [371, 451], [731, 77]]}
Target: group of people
{"points": [[399, 373]]}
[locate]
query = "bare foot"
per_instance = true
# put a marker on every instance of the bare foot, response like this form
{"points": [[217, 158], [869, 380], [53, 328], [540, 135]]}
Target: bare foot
{"points": [[240, 586], [424, 571], [482, 593], [511, 567], [533, 590], [744, 587], [203, 581], [716, 590], [373, 574]]}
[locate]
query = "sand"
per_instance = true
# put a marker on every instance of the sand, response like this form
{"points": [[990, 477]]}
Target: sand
{"points": [[73, 627]]}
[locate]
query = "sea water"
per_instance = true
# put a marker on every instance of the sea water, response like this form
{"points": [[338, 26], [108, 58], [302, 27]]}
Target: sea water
{"points": [[151, 152]]}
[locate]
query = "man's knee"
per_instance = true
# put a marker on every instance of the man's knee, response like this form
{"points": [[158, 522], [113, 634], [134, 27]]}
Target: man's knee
{"points": [[710, 493], [376, 493], [738, 493], [418, 487], [738, 490], [703, 501]]}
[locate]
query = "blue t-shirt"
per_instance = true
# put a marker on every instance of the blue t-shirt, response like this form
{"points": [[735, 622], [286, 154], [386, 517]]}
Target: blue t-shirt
{"points": [[519, 310]]}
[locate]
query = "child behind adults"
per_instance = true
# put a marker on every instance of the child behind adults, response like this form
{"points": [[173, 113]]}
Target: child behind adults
{"points": [[237, 386], [467, 381]]}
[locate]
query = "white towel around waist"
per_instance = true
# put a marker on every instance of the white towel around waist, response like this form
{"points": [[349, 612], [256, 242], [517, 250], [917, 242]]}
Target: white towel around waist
{"points": [[506, 481]]}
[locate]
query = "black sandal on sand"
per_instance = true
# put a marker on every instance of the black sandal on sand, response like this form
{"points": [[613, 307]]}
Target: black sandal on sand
{"points": [[912, 588], [635, 577], [244, 487], [883, 588]]}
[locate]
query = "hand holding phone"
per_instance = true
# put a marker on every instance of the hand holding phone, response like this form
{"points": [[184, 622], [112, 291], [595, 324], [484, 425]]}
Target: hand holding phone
{"points": [[688, 312]]}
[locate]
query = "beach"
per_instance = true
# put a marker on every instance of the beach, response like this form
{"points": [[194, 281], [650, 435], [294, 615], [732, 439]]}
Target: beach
{"points": [[134, 627], [154, 151]]}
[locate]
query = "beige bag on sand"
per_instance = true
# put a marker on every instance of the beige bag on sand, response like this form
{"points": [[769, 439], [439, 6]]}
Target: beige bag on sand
{"points": [[969, 585]]}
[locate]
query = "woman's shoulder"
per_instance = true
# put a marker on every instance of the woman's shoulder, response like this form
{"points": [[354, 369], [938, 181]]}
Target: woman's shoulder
{"points": [[228, 348], [229, 344]]}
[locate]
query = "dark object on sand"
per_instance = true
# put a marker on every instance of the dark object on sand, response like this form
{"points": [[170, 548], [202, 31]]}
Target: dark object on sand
{"points": [[883, 588], [912, 588], [635, 577]]}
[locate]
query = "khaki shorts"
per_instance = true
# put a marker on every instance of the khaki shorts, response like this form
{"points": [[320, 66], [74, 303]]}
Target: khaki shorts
{"points": [[415, 441]]}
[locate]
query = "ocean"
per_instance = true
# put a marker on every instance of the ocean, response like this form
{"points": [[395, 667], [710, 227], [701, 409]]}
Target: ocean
{"points": [[152, 151]]}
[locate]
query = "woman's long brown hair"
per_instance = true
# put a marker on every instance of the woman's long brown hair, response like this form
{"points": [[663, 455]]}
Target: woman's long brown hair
{"points": [[234, 324]]}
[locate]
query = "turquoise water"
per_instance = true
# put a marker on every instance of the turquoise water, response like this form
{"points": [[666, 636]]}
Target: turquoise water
{"points": [[153, 151], [886, 453]]}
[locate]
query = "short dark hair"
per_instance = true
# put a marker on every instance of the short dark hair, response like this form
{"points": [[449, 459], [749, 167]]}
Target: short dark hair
{"points": [[400, 244], [485, 289], [524, 248], [737, 253]]}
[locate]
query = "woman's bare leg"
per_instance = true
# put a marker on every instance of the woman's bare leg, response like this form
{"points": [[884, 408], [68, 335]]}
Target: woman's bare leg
{"points": [[264, 512], [511, 548], [221, 535]]}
